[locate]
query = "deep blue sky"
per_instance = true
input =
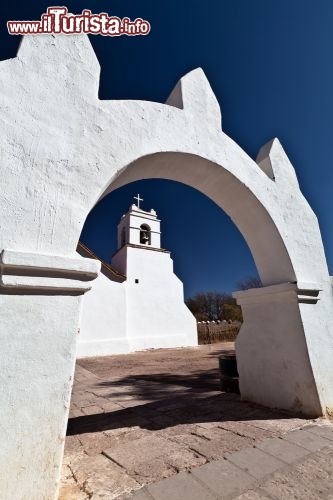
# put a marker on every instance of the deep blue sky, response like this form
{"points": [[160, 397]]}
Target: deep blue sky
{"points": [[270, 64]]}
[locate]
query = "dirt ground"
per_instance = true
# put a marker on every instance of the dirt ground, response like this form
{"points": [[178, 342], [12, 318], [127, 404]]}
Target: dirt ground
{"points": [[197, 363]]}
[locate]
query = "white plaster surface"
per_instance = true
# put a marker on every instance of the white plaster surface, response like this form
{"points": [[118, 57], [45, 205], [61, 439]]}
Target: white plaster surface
{"points": [[156, 313], [62, 149], [103, 320], [284, 373], [88, 267], [37, 364]]}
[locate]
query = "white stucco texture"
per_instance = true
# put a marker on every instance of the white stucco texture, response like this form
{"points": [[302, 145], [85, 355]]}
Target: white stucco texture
{"points": [[62, 149]]}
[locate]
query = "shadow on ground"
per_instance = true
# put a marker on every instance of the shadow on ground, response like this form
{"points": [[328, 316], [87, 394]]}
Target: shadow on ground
{"points": [[161, 400]]}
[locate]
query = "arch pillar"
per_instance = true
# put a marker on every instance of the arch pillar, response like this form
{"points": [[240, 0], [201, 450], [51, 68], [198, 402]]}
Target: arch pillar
{"points": [[272, 353], [40, 301]]}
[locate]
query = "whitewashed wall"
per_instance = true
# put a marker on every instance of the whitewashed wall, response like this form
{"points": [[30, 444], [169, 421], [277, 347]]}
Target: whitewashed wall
{"points": [[156, 313], [103, 320], [118, 318]]}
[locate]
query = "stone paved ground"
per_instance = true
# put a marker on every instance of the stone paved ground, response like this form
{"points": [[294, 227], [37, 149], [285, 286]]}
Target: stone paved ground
{"points": [[298, 465], [143, 417]]}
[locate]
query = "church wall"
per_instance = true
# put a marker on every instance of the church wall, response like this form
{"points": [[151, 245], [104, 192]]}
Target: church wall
{"points": [[156, 313], [103, 320], [118, 261], [118, 318]]}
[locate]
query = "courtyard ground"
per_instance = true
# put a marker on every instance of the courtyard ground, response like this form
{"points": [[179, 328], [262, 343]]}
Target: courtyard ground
{"points": [[138, 419]]}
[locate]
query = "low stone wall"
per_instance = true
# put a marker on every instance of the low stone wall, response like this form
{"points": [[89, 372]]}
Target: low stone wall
{"points": [[210, 332]]}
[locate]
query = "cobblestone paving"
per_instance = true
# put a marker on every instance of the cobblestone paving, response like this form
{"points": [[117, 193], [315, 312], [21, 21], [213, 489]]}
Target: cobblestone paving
{"points": [[144, 417]]}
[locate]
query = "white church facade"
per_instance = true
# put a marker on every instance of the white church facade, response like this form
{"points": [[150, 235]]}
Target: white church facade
{"points": [[137, 302]]}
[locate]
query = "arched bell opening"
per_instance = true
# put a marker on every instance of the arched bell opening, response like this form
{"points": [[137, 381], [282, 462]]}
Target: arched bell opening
{"points": [[145, 234]]}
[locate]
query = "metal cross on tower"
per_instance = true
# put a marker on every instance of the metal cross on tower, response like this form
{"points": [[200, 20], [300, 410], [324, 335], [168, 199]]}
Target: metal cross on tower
{"points": [[139, 199]]}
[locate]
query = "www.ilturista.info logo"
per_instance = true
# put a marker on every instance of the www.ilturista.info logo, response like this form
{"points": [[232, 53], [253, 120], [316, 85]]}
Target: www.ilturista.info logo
{"points": [[57, 20]]}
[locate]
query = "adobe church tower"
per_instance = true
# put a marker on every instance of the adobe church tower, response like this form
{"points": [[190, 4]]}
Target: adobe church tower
{"points": [[156, 315], [138, 303], [136, 227]]}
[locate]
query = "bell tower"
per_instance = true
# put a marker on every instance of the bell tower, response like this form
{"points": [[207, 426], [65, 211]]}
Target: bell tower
{"points": [[136, 229], [144, 309]]}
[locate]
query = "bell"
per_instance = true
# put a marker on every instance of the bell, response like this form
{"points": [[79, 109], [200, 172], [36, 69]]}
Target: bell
{"points": [[144, 238]]}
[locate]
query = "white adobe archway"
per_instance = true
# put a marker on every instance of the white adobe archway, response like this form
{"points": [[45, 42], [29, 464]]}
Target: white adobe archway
{"points": [[62, 149]]}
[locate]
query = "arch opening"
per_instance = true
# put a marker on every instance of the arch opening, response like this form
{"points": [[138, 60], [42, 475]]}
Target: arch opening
{"points": [[233, 196], [203, 241], [249, 210]]}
